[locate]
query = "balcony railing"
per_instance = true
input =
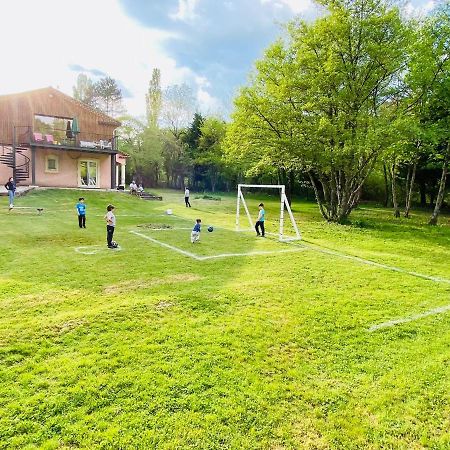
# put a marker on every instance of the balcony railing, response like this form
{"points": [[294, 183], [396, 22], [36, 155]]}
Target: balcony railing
{"points": [[66, 138]]}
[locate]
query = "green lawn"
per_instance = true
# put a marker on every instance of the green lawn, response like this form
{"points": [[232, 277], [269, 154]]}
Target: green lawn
{"points": [[147, 347]]}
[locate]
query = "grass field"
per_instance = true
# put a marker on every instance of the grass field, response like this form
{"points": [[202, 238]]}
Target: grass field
{"points": [[250, 344]]}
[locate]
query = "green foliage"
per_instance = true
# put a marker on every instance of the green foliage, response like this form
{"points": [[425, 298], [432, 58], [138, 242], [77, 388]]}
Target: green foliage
{"points": [[153, 99], [316, 103], [144, 146]]}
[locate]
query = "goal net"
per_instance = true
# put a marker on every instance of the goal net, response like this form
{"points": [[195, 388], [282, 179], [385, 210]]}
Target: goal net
{"points": [[284, 205]]}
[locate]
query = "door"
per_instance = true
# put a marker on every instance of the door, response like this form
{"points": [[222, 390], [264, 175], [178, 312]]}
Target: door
{"points": [[88, 171]]}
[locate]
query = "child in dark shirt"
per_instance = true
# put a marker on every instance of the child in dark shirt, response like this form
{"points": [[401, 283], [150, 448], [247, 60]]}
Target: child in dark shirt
{"points": [[195, 234]]}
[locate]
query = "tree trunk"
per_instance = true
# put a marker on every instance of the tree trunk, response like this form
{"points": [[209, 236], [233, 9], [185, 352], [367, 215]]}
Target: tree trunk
{"points": [[318, 199], [440, 196], [409, 190], [386, 187], [394, 190]]}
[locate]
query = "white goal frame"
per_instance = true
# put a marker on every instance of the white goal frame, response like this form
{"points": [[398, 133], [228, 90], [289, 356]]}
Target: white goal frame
{"points": [[283, 204]]}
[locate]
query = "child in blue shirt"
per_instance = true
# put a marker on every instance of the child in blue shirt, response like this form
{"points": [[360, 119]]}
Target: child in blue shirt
{"points": [[195, 234], [260, 221], [81, 209]]}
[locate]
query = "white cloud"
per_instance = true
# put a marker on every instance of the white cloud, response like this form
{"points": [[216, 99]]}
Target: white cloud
{"points": [[207, 103], [420, 10], [51, 38], [186, 10], [296, 6]]}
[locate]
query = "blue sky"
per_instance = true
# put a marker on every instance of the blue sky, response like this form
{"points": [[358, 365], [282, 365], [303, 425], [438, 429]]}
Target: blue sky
{"points": [[209, 44]]}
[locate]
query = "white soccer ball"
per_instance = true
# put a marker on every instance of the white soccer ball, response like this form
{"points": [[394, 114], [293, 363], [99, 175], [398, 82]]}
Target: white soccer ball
{"points": [[169, 212]]}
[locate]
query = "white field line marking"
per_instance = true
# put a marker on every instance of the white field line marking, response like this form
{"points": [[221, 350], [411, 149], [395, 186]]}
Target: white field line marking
{"points": [[366, 261], [88, 250], [375, 264], [256, 252], [222, 255], [393, 322], [93, 249], [285, 239], [168, 229], [163, 244], [27, 207]]}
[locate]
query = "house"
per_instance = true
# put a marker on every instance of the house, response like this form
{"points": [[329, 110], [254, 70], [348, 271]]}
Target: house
{"points": [[47, 138]]}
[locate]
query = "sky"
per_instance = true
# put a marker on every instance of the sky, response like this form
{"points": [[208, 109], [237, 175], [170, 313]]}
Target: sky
{"points": [[211, 45]]}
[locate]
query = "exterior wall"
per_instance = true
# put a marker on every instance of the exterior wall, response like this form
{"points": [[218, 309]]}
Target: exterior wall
{"points": [[68, 168], [5, 173], [19, 110]]}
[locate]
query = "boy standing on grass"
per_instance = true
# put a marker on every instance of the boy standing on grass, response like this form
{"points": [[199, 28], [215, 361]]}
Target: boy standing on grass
{"points": [[195, 234], [81, 209], [186, 197], [260, 220], [110, 224]]}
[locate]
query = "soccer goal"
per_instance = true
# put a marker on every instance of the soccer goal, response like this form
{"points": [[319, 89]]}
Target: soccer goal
{"points": [[284, 204]]}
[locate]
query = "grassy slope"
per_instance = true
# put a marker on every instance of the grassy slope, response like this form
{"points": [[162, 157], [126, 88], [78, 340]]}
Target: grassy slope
{"points": [[146, 348]]}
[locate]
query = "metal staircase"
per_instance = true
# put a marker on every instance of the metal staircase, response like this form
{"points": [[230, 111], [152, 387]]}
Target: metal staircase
{"points": [[22, 163]]}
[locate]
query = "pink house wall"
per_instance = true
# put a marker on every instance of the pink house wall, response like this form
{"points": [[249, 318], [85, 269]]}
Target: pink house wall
{"points": [[5, 173], [67, 175]]}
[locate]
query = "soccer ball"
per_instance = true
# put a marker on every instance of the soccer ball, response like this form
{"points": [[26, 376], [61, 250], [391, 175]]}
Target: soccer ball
{"points": [[169, 212], [210, 229], [114, 244]]}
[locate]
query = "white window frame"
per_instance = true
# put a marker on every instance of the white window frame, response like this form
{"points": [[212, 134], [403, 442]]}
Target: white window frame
{"points": [[283, 204], [88, 160]]}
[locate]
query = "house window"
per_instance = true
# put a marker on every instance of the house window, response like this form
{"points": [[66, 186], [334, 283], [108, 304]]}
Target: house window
{"points": [[51, 163], [52, 130]]}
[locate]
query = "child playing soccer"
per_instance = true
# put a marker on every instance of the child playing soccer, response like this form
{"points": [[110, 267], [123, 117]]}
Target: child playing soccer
{"points": [[195, 234], [81, 209], [260, 221], [110, 225]]}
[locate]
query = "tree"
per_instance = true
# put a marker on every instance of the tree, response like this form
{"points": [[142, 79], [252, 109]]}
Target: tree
{"points": [[178, 106], [191, 137], [153, 99], [210, 153], [84, 90], [322, 102], [429, 79], [108, 96], [144, 147], [176, 160]]}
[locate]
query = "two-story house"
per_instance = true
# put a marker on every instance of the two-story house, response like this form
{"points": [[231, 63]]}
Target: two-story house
{"points": [[50, 139]]}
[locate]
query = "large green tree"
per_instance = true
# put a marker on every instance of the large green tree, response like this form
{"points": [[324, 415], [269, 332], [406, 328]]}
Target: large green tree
{"points": [[322, 102], [429, 84], [210, 154], [144, 146]]}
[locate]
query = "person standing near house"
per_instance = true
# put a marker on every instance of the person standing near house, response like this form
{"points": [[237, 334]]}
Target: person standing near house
{"points": [[186, 197], [260, 220], [10, 186], [81, 209], [110, 225]]}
